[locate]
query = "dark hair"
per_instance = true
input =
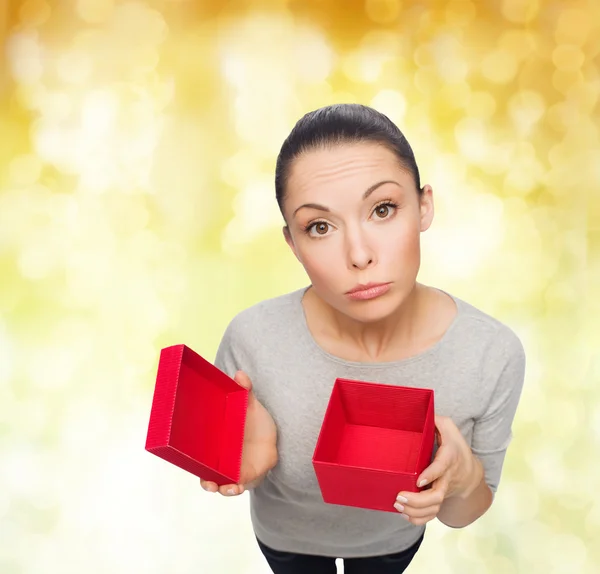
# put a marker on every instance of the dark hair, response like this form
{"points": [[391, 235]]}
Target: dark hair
{"points": [[340, 124]]}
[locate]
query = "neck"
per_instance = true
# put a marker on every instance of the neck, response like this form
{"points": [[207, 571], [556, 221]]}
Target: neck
{"points": [[398, 330]]}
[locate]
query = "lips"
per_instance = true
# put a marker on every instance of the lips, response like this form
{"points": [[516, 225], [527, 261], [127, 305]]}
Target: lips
{"points": [[365, 287]]}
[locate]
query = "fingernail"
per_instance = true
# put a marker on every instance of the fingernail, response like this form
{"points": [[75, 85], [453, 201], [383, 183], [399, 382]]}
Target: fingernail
{"points": [[422, 482], [405, 517], [231, 491], [401, 499], [398, 507]]}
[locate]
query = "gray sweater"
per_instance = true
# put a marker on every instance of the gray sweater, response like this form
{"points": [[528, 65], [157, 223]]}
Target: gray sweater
{"points": [[476, 371]]}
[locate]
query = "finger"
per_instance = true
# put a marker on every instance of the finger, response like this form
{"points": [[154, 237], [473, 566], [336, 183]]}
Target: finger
{"points": [[423, 499], [442, 425], [243, 380], [436, 469], [209, 486], [418, 512], [441, 420], [231, 489]]}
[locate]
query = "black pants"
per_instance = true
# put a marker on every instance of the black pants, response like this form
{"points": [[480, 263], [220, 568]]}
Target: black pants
{"points": [[290, 563]]}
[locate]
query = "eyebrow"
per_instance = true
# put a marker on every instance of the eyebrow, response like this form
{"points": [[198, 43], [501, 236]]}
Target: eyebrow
{"points": [[365, 196]]}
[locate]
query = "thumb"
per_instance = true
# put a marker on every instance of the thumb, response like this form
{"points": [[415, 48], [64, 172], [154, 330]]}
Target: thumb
{"points": [[436, 469], [243, 380]]}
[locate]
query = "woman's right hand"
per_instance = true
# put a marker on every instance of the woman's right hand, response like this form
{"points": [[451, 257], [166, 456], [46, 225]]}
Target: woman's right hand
{"points": [[259, 453]]}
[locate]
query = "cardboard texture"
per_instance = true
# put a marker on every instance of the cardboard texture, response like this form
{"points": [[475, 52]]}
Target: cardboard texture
{"points": [[197, 417], [374, 442]]}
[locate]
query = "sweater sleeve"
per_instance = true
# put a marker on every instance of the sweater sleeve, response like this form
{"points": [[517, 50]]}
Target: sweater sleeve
{"points": [[504, 368]]}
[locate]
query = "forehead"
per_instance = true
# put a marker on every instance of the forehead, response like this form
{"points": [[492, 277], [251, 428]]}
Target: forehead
{"points": [[347, 166]]}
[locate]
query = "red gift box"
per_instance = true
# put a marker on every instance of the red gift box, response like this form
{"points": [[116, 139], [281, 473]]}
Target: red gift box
{"points": [[374, 442], [198, 416]]}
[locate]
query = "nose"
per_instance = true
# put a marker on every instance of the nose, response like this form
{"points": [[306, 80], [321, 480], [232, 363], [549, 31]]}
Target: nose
{"points": [[360, 252]]}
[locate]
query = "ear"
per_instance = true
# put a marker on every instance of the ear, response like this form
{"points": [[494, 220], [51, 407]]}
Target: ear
{"points": [[289, 240], [426, 207]]}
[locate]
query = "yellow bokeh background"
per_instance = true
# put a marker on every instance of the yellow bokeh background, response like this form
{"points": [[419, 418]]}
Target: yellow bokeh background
{"points": [[137, 210]]}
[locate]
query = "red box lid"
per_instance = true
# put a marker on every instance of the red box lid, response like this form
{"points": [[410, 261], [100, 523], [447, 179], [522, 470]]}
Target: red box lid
{"points": [[197, 417]]}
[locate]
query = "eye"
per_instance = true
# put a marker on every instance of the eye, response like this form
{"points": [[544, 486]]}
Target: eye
{"points": [[321, 228], [383, 210]]}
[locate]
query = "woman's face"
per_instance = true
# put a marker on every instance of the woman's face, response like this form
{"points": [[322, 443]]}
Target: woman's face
{"points": [[355, 217]]}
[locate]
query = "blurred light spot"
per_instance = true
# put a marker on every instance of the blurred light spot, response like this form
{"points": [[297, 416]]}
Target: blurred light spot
{"points": [[255, 210], [144, 58], [448, 58], [55, 106], [572, 27], [313, 57], [25, 57], [526, 171], [424, 56], [95, 11], [467, 247], [546, 464], [240, 169], [460, 12], [383, 11], [520, 11], [98, 113], [137, 23], [34, 12], [50, 143], [526, 108], [19, 472], [521, 43], [25, 169], [480, 105], [595, 422], [564, 80], [498, 159], [85, 421], [51, 367], [427, 81], [592, 519], [568, 57], [392, 104], [455, 94], [364, 65], [520, 501], [471, 136], [74, 67], [584, 97], [500, 564], [499, 66], [7, 355], [560, 116], [572, 555]]}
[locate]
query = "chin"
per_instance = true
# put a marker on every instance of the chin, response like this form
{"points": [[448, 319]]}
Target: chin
{"points": [[370, 311]]}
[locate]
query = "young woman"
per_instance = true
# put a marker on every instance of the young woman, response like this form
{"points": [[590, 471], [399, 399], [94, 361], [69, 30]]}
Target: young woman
{"points": [[348, 187]]}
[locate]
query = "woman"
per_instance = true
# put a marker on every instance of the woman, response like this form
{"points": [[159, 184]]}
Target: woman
{"points": [[349, 190]]}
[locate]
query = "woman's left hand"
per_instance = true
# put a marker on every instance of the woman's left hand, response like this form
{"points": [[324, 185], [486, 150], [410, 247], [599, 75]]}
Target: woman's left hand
{"points": [[454, 472]]}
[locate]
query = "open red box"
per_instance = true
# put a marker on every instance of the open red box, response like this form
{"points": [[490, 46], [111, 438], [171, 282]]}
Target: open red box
{"points": [[198, 416], [374, 442]]}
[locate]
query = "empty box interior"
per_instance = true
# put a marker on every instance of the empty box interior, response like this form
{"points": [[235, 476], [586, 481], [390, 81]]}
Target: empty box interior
{"points": [[367, 428]]}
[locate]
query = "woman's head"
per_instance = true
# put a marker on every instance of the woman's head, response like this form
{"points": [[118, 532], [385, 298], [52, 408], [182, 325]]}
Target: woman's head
{"points": [[341, 124], [348, 186]]}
